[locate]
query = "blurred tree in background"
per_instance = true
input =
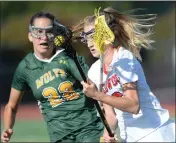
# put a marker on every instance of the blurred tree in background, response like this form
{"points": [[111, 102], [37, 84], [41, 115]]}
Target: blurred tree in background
{"points": [[158, 64]]}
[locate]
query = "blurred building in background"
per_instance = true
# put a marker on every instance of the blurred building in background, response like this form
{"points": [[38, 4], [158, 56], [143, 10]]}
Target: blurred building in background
{"points": [[159, 64]]}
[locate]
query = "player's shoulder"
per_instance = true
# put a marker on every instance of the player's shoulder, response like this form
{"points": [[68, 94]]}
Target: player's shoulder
{"points": [[29, 56], [22, 65], [94, 71], [95, 65], [63, 56], [125, 53], [28, 62], [23, 61]]}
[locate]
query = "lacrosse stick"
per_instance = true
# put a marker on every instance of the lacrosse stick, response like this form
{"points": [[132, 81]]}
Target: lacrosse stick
{"points": [[62, 36], [102, 36]]}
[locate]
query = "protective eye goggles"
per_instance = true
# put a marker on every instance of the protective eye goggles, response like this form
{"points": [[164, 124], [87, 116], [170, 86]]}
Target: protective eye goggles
{"points": [[38, 32], [85, 36]]}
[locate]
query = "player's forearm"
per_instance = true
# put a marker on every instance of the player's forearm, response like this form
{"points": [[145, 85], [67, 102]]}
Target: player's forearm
{"points": [[112, 121], [121, 103], [9, 117]]}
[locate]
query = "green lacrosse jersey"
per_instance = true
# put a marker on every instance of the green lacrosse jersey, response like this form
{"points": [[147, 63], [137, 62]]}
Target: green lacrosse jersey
{"points": [[56, 84]]}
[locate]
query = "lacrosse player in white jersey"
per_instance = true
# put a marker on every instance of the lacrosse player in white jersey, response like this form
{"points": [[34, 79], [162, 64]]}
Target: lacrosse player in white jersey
{"points": [[116, 39]]}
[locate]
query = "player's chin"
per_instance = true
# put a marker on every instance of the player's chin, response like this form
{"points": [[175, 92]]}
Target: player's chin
{"points": [[95, 54], [44, 48]]}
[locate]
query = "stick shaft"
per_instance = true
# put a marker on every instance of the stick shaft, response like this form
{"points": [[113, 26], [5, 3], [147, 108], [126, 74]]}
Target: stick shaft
{"points": [[95, 101]]}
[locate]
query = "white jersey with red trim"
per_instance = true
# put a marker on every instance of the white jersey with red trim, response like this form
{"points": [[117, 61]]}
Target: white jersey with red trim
{"points": [[125, 68]]}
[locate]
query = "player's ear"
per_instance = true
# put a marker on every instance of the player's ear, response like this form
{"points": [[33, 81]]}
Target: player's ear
{"points": [[30, 37]]}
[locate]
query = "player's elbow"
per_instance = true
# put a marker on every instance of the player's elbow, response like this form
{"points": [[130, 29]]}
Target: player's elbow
{"points": [[11, 108], [136, 108]]}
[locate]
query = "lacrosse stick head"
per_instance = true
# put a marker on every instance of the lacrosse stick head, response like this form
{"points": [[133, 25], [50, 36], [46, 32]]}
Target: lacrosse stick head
{"points": [[61, 34], [103, 34]]}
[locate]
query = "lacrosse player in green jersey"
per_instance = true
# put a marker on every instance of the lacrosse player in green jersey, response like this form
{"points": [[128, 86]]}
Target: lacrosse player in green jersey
{"points": [[55, 82]]}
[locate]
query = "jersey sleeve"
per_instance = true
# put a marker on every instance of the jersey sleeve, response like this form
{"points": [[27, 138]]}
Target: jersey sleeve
{"points": [[94, 73], [94, 76], [19, 78], [90, 75], [125, 68], [74, 70]]}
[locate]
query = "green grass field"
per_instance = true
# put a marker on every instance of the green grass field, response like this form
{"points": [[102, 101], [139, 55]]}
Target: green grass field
{"points": [[31, 131]]}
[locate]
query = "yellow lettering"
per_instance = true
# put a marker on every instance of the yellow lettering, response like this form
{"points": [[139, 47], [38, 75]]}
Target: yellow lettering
{"points": [[56, 71], [59, 72], [52, 96], [67, 89], [51, 76], [39, 82], [46, 78], [62, 72], [63, 62]]}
